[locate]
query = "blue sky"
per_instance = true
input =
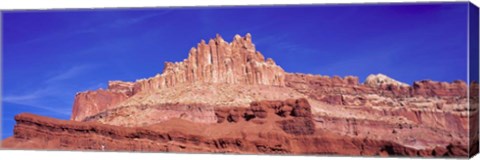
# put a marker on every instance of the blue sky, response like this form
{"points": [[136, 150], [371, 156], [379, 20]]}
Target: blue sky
{"points": [[48, 56]]}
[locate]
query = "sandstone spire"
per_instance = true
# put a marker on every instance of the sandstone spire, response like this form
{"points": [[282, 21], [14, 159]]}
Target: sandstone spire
{"points": [[218, 61]]}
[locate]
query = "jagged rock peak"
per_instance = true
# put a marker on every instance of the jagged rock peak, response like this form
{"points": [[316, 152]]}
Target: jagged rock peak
{"points": [[218, 61], [381, 79]]}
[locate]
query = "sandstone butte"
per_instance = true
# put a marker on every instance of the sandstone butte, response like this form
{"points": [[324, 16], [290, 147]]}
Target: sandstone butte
{"points": [[227, 98]]}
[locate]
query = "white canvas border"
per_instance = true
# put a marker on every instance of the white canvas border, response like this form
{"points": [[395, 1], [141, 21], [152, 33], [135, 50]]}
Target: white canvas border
{"points": [[6, 5]]}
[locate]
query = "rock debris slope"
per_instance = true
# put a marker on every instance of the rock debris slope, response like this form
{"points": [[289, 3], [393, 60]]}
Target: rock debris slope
{"points": [[227, 98]]}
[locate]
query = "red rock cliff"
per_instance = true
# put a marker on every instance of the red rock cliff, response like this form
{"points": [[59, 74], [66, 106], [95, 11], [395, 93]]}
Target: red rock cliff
{"points": [[218, 61], [225, 97], [286, 126]]}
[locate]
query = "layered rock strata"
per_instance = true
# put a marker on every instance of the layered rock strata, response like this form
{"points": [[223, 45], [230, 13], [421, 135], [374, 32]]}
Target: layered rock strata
{"points": [[225, 97], [287, 128], [217, 62]]}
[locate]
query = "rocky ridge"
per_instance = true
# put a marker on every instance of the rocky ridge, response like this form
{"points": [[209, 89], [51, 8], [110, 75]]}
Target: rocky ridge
{"points": [[217, 62], [287, 128], [228, 86]]}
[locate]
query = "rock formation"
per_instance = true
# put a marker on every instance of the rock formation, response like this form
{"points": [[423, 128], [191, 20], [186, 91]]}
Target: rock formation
{"points": [[226, 98], [287, 128], [92, 102], [218, 62], [380, 80]]}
